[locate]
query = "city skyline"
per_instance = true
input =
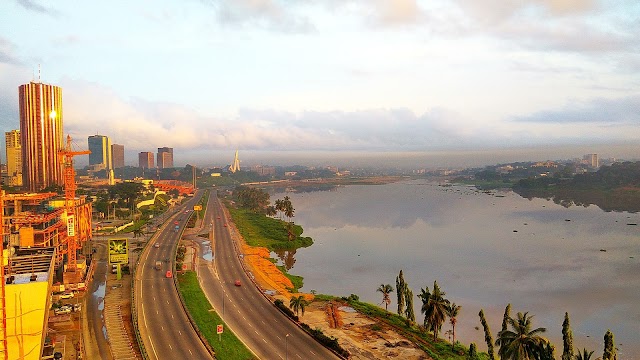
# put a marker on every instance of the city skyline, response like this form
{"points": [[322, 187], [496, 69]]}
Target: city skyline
{"points": [[337, 79]]}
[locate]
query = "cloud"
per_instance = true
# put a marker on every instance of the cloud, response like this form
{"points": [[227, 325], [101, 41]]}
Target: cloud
{"points": [[7, 49], [36, 7], [606, 111], [269, 14]]}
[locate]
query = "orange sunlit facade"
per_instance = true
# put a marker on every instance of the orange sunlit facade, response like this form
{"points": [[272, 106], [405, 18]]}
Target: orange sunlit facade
{"points": [[41, 135]]}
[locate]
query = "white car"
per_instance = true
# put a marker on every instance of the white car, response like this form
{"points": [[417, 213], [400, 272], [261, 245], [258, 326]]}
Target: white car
{"points": [[62, 310], [156, 245], [66, 296]]}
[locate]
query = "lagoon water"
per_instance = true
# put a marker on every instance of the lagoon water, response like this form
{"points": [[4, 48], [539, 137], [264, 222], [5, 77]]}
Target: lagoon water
{"points": [[485, 250]]}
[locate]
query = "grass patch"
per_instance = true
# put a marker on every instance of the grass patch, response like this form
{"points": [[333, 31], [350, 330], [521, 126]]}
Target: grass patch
{"points": [[260, 230], [206, 320], [297, 281], [136, 226]]}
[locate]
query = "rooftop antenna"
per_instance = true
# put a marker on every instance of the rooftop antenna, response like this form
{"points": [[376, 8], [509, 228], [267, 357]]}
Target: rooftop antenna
{"points": [[39, 80]]}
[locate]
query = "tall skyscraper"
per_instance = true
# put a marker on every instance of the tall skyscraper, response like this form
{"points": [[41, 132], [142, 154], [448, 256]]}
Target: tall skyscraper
{"points": [[145, 160], [117, 156], [100, 147], [41, 135], [14, 158], [165, 158]]}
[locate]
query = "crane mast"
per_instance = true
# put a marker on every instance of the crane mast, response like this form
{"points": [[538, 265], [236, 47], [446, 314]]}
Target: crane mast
{"points": [[66, 156]]}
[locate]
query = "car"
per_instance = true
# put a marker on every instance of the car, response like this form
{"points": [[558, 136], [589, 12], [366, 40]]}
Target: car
{"points": [[237, 283], [218, 217], [225, 224], [156, 245], [62, 310], [77, 307], [168, 274], [66, 296]]}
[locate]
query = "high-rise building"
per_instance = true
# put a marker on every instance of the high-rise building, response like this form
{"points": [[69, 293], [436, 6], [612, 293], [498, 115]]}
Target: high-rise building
{"points": [[592, 160], [41, 135], [145, 160], [14, 158], [117, 156], [165, 158], [100, 147]]}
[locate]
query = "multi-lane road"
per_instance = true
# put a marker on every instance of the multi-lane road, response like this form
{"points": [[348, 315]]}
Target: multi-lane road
{"points": [[259, 324], [163, 324]]}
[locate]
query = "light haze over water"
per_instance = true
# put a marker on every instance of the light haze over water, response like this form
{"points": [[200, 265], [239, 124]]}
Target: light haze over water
{"points": [[466, 240]]}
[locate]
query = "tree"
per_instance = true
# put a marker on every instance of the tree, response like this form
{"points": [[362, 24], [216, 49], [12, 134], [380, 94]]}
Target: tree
{"points": [[400, 290], [452, 313], [298, 303], [408, 298], [271, 211], [487, 335], [473, 352], [521, 342], [585, 355], [435, 310], [609, 347], [505, 320], [567, 339], [385, 289]]}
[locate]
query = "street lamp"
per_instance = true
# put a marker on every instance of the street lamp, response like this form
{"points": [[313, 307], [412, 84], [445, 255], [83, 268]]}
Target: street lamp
{"points": [[286, 346]]}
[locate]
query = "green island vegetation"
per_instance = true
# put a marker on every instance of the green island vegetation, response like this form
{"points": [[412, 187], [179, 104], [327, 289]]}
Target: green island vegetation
{"points": [[614, 187], [206, 319]]}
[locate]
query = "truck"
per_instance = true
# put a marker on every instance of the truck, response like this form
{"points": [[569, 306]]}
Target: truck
{"points": [[158, 265]]}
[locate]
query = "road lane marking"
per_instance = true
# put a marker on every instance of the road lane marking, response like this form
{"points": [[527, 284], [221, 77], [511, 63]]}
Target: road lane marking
{"points": [[299, 356], [312, 352]]}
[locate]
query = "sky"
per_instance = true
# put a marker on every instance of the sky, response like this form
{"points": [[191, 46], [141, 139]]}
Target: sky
{"points": [[289, 79]]}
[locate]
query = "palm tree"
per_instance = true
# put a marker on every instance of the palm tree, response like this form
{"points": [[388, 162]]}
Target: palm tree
{"points": [[386, 289], [435, 310], [521, 343], [585, 355], [452, 313], [271, 211], [298, 303]]}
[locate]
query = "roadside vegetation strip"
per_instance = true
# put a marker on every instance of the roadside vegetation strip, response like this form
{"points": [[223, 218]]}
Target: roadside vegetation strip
{"points": [[260, 230], [229, 347]]}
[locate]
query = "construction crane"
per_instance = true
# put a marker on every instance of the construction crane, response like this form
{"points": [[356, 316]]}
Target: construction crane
{"points": [[66, 157]]}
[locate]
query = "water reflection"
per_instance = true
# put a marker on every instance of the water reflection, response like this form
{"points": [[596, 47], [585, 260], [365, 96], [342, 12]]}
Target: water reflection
{"points": [[286, 257], [485, 249]]}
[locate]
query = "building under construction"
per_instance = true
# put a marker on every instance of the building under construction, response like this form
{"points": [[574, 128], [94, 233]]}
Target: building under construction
{"points": [[42, 220]]}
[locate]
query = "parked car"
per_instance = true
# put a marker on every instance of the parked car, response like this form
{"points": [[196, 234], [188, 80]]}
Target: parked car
{"points": [[62, 310], [156, 245], [66, 296]]}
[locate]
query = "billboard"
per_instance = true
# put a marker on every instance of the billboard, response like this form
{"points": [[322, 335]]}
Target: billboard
{"points": [[71, 226], [118, 251]]}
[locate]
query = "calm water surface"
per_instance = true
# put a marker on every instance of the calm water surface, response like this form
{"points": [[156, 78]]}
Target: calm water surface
{"points": [[484, 250]]}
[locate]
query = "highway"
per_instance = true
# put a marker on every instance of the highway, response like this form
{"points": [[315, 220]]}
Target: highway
{"points": [[163, 324], [257, 322]]}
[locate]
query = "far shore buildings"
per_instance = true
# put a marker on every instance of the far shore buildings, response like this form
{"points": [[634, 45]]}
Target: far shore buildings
{"points": [[145, 160], [14, 158], [117, 156], [41, 135], [165, 158]]}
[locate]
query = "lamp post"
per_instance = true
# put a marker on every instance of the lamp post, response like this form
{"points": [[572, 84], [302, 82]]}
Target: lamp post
{"points": [[286, 347]]}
